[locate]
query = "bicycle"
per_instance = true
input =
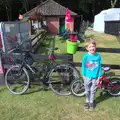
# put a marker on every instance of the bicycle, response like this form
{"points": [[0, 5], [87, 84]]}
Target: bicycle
{"points": [[106, 84], [56, 76]]}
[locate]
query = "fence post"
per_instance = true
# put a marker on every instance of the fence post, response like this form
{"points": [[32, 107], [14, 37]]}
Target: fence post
{"points": [[70, 58]]}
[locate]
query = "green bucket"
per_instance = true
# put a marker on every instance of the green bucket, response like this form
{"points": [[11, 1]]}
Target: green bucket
{"points": [[72, 47]]}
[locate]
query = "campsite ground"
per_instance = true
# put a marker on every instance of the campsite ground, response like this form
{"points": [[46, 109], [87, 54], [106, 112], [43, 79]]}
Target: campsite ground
{"points": [[38, 104]]}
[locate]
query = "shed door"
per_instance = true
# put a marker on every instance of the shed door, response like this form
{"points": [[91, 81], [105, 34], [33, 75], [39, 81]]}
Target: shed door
{"points": [[61, 24]]}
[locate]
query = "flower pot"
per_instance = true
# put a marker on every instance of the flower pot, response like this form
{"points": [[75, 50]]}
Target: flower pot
{"points": [[72, 47]]}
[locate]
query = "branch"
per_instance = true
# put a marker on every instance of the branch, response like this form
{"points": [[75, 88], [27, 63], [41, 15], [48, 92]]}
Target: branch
{"points": [[113, 3]]}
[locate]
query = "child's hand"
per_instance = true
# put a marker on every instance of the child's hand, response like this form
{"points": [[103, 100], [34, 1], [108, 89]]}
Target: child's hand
{"points": [[84, 78], [98, 82]]}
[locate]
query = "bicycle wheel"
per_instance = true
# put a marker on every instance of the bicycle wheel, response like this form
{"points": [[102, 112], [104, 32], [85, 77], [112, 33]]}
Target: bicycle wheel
{"points": [[17, 79], [114, 87], [77, 88], [60, 78]]}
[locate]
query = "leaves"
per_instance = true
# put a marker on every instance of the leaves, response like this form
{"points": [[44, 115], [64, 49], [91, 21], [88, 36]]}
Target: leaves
{"points": [[84, 5]]}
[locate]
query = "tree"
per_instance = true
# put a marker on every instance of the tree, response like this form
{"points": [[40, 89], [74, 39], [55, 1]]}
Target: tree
{"points": [[25, 5], [84, 5], [6, 5], [113, 3]]}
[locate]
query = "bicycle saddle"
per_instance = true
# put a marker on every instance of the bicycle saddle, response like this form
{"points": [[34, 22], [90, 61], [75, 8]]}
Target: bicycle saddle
{"points": [[106, 68]]}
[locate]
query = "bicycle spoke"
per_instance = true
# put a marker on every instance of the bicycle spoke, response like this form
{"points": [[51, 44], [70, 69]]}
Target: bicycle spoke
{"points": [[61, 77], [17, 80], [114, 87]]}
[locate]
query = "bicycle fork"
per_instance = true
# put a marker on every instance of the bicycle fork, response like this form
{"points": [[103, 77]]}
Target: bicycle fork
{"points": [[28, 66]]}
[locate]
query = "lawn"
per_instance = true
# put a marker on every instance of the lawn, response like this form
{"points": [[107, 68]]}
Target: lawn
{"points": [[38, 104]]}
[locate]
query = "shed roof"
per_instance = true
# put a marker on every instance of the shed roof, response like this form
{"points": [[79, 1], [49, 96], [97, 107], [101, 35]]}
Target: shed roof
{"points": [[48, 8]]}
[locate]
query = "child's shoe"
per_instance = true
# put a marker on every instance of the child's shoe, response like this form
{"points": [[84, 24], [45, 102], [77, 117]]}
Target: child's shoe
{"points": [[91, 108], [86, 106]]}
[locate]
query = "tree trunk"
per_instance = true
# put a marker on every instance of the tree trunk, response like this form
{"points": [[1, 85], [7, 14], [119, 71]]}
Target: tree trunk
{"points": [[8, 13], [113, 3], [25, 4]]}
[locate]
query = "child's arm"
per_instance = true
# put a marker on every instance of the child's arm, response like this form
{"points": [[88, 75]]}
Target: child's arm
{"points": [[100, 69], [99, 74]]}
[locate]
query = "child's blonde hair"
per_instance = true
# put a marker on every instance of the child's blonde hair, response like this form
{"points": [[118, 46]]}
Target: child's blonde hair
{"points": [[90, 41]]}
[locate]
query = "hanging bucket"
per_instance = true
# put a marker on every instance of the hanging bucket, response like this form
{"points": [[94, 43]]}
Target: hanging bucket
{"points": [[72, 47]]}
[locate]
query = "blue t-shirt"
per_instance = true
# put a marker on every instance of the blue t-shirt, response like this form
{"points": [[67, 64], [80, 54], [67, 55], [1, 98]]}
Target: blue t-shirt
{"points": [[91, 65]]}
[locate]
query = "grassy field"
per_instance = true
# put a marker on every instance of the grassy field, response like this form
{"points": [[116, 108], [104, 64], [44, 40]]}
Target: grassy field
{"points": [[38, 104]]}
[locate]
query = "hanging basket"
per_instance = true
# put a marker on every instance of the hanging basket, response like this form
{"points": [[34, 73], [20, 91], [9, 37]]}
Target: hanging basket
{"points": [[72, 46]]}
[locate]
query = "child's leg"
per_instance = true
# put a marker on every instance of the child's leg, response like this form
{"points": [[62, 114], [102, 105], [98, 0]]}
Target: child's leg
{"points": [[87, 84], [93, 90]]}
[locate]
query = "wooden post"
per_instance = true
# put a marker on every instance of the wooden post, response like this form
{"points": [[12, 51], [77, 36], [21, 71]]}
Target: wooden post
{"points": [[30, 23], [70, 58]]}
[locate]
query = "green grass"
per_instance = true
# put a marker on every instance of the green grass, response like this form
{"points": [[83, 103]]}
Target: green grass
{"points": [[38, 104]]}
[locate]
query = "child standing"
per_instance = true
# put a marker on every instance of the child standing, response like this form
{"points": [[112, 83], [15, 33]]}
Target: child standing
{"points": [[91, 71]]}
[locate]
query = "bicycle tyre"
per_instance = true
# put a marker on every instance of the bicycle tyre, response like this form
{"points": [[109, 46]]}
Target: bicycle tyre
{"points": [[115, 82], [13, 82], [77, 88], [62, 85]]}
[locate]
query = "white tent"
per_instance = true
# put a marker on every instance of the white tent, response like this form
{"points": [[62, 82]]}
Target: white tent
{"points": [[112, 14]]}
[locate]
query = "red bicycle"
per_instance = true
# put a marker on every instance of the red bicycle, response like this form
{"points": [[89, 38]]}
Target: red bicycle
{"points": [[106, 84]]}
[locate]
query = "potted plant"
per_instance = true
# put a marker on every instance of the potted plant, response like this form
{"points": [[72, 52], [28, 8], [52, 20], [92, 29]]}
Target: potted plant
{"points": [[72, 43]]}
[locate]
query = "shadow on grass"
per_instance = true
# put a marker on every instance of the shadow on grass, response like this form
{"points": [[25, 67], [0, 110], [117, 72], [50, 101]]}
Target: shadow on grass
{"points": [[118, 39], [63, 40], [102, 98], [3, 88], [33, 89], [90, 36], [49, 42]]}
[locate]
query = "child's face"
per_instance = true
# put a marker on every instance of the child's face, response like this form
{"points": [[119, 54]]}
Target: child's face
{"points": [[91, 48]]}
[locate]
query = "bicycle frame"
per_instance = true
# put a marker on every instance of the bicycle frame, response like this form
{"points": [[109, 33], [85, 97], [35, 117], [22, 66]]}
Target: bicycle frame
{"points": [[105, 81], [51, 63]]}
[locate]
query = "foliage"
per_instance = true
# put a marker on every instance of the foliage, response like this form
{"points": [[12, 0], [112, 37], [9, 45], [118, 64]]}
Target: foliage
{"points": [[24, 19], [84, 5], [6, 5]]}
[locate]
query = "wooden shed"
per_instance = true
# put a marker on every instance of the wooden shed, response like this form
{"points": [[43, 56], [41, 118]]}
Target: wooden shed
{"points": [[52, 14]]}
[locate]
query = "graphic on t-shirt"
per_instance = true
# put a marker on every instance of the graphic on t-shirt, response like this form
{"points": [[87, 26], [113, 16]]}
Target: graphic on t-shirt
{"points": [[91, 65]]}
